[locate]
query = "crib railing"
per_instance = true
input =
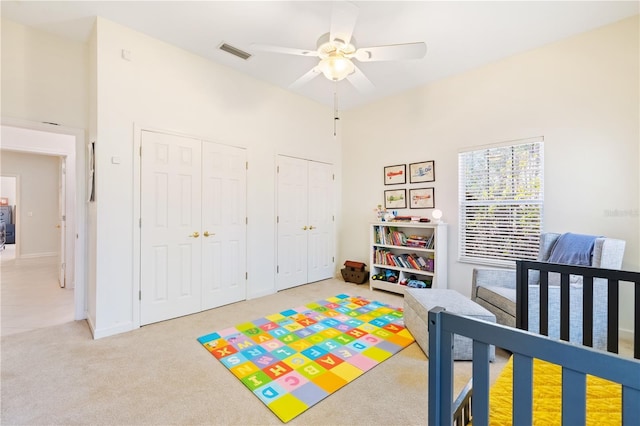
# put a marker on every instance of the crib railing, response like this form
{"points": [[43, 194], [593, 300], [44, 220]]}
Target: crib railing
{"points": [[576, 361], [613, 277]]}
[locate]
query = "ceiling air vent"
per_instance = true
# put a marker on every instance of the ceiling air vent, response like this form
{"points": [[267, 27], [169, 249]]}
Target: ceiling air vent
{"points": [[234, 51]]}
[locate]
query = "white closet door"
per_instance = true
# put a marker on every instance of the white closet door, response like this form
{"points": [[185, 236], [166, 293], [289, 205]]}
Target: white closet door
{"points": [[293, 228], [170, 280], [320, 236], [223, 224]]}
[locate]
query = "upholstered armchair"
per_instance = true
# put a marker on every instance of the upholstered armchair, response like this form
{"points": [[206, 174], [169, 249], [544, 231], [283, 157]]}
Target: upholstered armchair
{"points": [[495, 289]]}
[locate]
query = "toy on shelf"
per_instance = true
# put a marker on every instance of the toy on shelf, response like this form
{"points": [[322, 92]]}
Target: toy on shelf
{"points": [[386, 275]]}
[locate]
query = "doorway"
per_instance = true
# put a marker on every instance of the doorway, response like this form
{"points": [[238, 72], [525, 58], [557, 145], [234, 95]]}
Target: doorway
{"points": [[31, 261], [59, 143]]}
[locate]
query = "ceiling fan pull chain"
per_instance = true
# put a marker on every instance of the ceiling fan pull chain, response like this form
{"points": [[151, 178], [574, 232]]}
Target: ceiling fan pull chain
{"points": [[336, 117]]}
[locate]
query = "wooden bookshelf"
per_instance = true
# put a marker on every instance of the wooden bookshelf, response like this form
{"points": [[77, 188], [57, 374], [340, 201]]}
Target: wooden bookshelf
{"points": [[409, 250]]}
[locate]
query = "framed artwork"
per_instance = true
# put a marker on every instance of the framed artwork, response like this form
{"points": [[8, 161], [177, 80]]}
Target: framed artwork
{"points": [[395, 199], [422, 172], [395, 175], [422, 198]]}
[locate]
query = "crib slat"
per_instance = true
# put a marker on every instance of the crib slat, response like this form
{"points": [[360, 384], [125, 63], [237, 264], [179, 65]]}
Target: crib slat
{"points": [[574, 395], [630, 404], [522, 389], [480, 405], [612, 315], [587, 311], [522, 296], [565, 307], [440, 370], [636, 337], [544, 303]]}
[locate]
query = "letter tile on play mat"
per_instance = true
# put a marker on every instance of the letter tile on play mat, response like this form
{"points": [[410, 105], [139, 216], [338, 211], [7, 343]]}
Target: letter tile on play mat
{"points": [[329, 381], [292, 380]]}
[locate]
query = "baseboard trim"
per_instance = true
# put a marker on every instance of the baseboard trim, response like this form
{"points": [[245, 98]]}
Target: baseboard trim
{"points": [[36, 255], [260, 294], [625, 334], [111, 331]]}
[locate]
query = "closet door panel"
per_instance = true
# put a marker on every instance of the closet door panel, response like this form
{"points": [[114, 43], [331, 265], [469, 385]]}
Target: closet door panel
{"points": [[293, 228], [224, 224], [170, 272], [321, 241]]}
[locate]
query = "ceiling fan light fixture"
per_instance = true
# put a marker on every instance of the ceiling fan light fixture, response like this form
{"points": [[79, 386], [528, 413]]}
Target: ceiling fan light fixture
{"points": [[336, 67]]}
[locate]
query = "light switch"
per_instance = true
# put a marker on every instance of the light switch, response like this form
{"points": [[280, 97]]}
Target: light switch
{"points": [[115, 160], [29, 214]]}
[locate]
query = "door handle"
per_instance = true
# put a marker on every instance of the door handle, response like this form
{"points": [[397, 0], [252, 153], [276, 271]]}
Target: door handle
{"points": [[312, 227], [58, 226], [305, 228], [195, 234], [207, 234]]}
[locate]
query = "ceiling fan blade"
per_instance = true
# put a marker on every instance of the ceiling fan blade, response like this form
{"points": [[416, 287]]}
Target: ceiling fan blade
{"points": [[360, 81], [284, 50], [393, 52], [305, 78], [343, 21]]}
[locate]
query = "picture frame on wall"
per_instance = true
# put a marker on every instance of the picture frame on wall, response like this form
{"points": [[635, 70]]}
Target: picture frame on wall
{"points": [[395, 175], [422, 172], [422, 198], [395, 199]]}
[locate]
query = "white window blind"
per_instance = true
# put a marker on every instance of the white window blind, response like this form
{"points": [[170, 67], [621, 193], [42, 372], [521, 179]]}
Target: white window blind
{"points": [[501, 202]]}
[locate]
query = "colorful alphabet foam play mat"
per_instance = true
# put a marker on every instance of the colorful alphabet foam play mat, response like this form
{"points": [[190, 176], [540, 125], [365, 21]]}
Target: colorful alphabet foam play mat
{"points": [[293, 359]]}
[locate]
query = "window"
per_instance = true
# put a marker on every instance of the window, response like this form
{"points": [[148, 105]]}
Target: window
{"points": [[501, 202]]}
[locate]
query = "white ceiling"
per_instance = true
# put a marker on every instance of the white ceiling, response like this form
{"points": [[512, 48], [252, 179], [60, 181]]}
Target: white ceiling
{"points": [[459, 35]]}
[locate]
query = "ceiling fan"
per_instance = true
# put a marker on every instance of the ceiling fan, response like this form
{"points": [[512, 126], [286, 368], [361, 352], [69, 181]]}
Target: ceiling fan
{"points": [[337, 50]]}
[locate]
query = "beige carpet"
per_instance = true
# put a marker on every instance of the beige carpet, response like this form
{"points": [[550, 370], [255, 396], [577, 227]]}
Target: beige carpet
{"points": [[160, 374]]}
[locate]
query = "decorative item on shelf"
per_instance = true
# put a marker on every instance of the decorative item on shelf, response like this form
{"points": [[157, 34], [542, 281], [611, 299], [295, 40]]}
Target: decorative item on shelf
{"points": [[437, 215], [381, 213]]}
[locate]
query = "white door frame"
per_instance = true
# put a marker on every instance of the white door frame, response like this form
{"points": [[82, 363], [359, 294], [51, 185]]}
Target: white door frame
{"points": [[39, 138]]}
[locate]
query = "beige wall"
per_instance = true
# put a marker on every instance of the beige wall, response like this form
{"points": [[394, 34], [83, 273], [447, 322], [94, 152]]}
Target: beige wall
{"points": [[166, 88], [44, 77], [581, 94], [37, 213]]}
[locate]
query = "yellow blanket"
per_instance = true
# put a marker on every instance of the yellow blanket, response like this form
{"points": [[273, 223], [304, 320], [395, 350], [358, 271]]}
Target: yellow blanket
{"points": [[604, 398]]}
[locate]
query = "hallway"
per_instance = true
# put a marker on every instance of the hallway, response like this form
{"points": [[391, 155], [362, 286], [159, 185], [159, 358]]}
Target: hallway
{"points": [[30, 295]]}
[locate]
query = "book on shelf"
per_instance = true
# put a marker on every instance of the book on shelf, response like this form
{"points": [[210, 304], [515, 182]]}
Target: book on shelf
{"points": [[422, 262], [388, 235], [390, 260], [412, 242], [412, 261]]}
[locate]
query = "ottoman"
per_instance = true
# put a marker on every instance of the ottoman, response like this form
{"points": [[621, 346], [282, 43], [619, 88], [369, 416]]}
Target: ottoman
{"points": [[418, 302]]}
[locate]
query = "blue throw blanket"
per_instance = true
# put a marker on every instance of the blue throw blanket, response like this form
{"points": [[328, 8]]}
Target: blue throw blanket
{"points": [[573, 249]]}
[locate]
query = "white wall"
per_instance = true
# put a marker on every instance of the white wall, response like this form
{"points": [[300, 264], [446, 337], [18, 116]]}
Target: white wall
{"points": [[581, 94], [166, 88], [44, 77], [37, 213], [8, 189]]}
